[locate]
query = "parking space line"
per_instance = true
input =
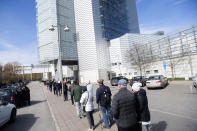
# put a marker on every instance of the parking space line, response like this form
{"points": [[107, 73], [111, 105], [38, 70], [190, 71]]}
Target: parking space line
{"points": [[173, 114]]}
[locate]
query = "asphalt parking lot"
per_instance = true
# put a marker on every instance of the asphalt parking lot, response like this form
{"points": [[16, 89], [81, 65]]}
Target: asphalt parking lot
{"points": [[173, 108]]}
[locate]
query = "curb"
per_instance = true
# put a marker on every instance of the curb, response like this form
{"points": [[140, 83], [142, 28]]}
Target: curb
{"points": [[52, 114]]}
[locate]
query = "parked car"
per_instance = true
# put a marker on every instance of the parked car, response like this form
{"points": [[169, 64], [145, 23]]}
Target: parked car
{"points": [[114, 80], [16, 95], [140, 79], [7, 111], [8, 95], [157, 81], [195, 81]]}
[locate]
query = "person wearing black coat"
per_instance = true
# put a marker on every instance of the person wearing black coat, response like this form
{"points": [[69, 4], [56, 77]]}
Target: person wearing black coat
{"points": [[50, 85], [65, 91], [54, 87], [142, 106], [124, 108]]}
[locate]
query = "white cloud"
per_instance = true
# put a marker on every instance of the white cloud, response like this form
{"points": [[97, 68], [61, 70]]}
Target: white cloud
{"points": [[150, 29], [24, 54]]}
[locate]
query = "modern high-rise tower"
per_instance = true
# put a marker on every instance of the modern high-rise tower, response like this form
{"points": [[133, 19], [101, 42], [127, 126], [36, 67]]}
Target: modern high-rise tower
{"points": [[92, 24], [97, 22], [58, 13]]}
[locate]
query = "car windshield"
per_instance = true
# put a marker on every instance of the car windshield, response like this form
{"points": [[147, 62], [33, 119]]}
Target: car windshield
{"points": [[3, 93], [115, 78], [137, 78], [154, 78]]}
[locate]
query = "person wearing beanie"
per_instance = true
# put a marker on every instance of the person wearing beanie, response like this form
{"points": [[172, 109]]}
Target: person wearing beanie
{"points": [[142, 107], [124, 108]]}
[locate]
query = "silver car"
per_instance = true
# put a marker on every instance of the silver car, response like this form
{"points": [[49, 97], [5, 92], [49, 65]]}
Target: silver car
{"points": [[195, 81], [157, 81]]}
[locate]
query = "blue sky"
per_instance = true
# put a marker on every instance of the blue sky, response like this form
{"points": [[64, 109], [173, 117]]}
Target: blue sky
{"points": [[18, 24]]}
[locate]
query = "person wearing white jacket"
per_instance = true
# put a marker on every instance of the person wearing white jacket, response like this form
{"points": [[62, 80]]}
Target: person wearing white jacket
{"points": [[87, 101]]}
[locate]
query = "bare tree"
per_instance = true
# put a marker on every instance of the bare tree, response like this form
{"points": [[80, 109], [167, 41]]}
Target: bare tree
{"points": [[10, 73], [137, 56], [173, 61]]}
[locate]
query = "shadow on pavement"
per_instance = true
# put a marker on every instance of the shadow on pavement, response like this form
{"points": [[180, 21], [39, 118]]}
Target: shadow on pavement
{"points": [[31, 103], [37, 102], [161, 126], [99, 123], [23, 123]]}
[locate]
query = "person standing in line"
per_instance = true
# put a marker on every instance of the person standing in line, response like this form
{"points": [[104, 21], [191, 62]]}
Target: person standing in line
{"points": [[76, 94], [103, 99], [57, 87], [54, 87], [60, 88], [50, 85], [142, 107], [124, 108], [65, 91], [60, 85], [70, 86], [87, 101]]}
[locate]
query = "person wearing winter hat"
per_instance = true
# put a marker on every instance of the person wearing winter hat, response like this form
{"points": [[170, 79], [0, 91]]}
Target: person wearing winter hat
{"points": [[143, 112], [124, 108]]}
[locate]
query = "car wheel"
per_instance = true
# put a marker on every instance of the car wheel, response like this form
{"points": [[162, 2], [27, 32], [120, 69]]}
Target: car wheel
{"points": [[13, 116]]}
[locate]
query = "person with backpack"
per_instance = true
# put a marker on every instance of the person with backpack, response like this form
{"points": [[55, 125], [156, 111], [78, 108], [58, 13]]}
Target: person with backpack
{"points": [[103, 99], [142, 107], [87, 101], [76, 94], [124, 108]]}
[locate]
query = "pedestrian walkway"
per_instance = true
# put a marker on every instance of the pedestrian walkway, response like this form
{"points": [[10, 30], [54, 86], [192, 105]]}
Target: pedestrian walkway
{"points": [[66, 117]]}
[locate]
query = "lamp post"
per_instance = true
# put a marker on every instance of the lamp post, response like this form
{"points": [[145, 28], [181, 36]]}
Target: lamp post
{"points": [[66, 29]]}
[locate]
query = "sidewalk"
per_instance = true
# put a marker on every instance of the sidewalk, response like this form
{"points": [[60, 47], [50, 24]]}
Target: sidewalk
{"points": [[66, 116]]}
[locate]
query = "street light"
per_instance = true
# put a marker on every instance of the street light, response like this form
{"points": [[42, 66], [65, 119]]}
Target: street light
{"points": [[66, 29]]}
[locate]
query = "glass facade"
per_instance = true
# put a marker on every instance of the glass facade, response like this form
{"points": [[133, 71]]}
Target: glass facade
{"points": [[114, 18]]}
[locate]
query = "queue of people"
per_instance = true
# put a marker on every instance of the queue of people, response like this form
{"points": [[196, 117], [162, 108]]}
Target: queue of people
{"points": [[128, 109]]}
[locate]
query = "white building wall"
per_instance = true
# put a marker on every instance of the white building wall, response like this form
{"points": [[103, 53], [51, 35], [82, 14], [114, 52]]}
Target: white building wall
{"points": [[182, 68], [93, 51], [47, 40], [55, 12]]}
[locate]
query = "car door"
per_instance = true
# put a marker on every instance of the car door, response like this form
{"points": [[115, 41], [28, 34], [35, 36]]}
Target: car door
{"points": [[3, 113]]}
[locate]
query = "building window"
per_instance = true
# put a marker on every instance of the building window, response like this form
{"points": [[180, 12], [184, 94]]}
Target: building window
{"points": [[130, 73], [147, 72], [156, 71], [135, 73], [120, 74], [115, 63], [125, 74]]}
